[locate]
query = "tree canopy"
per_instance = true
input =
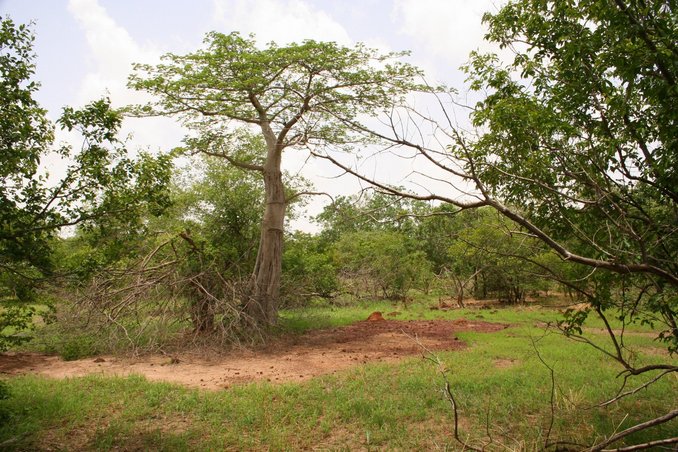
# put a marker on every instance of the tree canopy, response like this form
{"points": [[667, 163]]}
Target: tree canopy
{"points": [[581, 138], [299, 94], [585, 139]]}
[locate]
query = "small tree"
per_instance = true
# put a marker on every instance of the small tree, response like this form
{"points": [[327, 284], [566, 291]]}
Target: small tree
{"points": [[308, 94], [102, 187]]}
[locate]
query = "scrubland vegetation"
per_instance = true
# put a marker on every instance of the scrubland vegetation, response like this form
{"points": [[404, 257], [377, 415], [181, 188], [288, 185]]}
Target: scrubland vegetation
{"points": [[500, 384], [560, 222]]}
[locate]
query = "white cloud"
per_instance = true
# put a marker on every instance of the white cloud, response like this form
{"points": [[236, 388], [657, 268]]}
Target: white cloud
{"points": [[282, 21], [112, 51], [447, 30]]}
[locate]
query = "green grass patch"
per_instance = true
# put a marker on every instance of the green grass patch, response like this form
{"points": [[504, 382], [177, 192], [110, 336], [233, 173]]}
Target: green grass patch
{"points": [[385, 406], [325, 315]]}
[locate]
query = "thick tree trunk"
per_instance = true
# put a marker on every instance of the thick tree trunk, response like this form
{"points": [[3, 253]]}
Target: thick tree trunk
{"points": [[460, 290], [262, 304]]}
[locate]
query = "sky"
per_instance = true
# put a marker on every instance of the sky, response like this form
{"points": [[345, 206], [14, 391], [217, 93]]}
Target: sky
{"points": [[85, 49]]}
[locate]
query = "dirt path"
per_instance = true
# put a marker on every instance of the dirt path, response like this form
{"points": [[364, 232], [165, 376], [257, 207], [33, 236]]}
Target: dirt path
{"points": [[301, 358]]}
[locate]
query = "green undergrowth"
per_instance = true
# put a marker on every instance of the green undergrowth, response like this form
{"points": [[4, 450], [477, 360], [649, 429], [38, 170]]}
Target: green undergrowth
{"points": [[499, 382]]}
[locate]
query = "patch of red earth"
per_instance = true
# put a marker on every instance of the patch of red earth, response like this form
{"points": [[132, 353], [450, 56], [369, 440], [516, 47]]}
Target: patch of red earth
{"points": [[299, 358], [375, 317]]}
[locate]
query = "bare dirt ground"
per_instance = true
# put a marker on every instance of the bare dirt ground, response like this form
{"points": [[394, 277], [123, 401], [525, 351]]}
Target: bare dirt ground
{"points": [[288, 359]]}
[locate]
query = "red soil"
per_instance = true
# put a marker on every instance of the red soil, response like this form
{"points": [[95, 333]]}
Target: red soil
{"points": [[299, 358]]}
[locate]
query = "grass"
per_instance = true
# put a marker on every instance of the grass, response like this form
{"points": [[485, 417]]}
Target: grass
{"points": [[375, 406], [326, 316]]}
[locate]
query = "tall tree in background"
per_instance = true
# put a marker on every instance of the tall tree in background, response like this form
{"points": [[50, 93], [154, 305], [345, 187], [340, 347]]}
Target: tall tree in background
{"points": [[234, 95]]}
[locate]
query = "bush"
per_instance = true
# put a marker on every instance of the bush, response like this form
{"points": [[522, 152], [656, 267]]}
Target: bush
{"points": [[386, 263], [308, 270]]}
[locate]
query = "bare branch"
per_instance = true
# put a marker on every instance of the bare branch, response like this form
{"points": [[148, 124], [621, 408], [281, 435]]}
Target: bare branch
{"points": [[639, 388], [394, 191], [307, 193]]}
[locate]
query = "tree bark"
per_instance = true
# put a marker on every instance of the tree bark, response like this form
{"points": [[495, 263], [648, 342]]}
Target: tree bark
{"points": [[264, 292], [460, 290]]}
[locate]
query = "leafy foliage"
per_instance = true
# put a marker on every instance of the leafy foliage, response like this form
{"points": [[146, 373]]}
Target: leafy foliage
{"points": [[371, 241], [481, 253], [309, 269], [102, 188], [580, 138], [323, 83], [588, 131], [369, 211], [381, 263], [222, 208]]}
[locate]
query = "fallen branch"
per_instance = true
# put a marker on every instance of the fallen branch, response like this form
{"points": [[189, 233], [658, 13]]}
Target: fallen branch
{"points": [[638, 427], [659, 442]]}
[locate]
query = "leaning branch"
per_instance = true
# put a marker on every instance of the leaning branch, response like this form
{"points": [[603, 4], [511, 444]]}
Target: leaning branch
{"points": [[235, 162], [393, 191]]}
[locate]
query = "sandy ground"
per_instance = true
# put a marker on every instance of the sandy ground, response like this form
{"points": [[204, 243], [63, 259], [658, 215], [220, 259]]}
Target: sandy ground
{"points": [[298, 358]]}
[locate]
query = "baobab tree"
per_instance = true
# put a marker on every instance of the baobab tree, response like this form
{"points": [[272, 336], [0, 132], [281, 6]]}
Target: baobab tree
{"points": [[236, 98]]}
